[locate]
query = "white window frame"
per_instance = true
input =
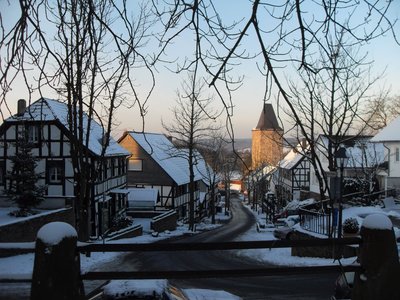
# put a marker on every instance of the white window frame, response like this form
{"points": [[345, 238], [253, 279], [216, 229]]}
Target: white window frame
{"points": [[33, 133], [55, 174]]}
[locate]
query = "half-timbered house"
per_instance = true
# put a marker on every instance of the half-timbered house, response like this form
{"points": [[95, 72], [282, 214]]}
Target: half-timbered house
{"points": [[156, 163], [291, 179], [366, 160], [46, 123]]}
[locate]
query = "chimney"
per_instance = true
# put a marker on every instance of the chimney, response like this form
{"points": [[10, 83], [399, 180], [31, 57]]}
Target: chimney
{"points": [[304, 143], [21, 107]]}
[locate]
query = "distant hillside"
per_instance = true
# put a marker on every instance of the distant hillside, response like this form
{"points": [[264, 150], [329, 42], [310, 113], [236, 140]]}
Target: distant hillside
{"points": [[243, 144]]}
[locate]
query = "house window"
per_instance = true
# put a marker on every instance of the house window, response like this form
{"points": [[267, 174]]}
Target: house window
{"points": [[135, 165], [55, 172], [33, 134], [2, 172], [397, 154], [112, 167]]}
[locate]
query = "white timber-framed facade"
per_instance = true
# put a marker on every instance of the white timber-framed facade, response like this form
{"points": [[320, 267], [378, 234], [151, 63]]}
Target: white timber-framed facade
{"points": [[45, 123]]}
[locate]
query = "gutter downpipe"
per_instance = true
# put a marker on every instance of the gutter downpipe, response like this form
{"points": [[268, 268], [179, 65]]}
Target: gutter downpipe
{"points": [[386, 178]]}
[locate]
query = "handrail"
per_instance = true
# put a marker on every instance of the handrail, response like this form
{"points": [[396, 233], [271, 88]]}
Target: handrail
{"points": [[255, 272], [115, 247]]}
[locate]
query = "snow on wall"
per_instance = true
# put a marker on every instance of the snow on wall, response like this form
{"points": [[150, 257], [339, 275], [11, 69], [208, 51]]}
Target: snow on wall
{"points": [[54, 232], [139, 288], [377, 221]]}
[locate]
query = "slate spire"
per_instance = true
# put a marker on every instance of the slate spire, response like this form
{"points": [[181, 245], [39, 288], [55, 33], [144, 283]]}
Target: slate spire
{"points": [[268, 120]]}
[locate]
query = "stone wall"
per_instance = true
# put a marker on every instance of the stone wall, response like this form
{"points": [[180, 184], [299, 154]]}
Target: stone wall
{"points": [[266, 147], [25, 229], [126, 233], [166, 221]]}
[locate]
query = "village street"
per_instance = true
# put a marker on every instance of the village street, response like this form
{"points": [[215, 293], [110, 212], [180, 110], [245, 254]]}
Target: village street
{"points": [[275, 287]]}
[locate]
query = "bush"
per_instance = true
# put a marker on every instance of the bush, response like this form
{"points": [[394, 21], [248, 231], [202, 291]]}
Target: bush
{"points": [[350, 225], [120, 222], [22, 213]]}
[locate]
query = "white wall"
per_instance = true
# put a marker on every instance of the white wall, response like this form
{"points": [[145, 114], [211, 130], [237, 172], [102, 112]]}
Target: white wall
{"points": [[394, 165]]}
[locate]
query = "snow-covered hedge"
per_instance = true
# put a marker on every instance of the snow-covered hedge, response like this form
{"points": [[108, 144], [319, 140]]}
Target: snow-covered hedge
{"points": [[350, 225]]}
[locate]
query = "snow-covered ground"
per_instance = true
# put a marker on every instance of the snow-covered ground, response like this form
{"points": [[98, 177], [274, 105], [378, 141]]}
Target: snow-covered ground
{"points": [[21, 266], [279, 256]]}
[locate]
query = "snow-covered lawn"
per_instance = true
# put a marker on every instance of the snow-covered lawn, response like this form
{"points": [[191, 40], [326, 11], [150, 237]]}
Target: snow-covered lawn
{"points": [[5, 218], [279, 256], [22, 265]]}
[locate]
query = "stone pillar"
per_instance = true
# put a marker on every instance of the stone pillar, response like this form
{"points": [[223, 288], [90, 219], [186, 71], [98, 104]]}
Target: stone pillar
{"points": [[56, 271], [379, 259]]}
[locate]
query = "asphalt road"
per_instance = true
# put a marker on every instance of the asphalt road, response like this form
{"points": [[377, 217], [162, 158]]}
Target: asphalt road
{"points": [[273, 287]]}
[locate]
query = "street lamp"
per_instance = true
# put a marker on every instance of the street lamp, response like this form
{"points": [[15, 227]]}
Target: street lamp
{"points": [[341, 161]]}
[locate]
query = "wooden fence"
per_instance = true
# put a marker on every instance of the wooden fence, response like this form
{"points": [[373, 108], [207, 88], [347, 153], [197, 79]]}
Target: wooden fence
{"points": [[57, 273]]}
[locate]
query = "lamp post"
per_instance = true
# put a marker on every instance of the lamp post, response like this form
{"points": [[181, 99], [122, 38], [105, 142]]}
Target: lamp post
{"points": [[341, 161]]}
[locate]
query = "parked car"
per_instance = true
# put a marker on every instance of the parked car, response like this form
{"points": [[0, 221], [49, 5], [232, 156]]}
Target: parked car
{"points": [[284, 227], [343, 286], [292, 208]]}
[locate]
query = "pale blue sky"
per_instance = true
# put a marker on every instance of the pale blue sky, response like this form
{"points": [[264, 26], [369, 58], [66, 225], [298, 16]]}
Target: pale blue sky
{"points": [[248, 99]]}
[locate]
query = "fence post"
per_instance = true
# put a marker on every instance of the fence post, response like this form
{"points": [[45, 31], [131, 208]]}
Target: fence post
{"points": [[56, 271], [379, 260]]}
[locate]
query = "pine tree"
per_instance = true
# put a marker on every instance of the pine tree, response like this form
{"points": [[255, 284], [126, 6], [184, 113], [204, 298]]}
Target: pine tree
{"points": [[22, 180]]}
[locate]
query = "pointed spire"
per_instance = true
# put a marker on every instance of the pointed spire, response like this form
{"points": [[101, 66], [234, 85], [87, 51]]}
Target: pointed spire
{"points": [[268, 119]]}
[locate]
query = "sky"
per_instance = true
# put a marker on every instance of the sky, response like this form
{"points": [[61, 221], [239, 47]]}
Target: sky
{"points": [[247, 100]]}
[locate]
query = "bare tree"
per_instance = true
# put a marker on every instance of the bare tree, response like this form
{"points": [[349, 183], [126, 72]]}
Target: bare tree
{"points": [[213, 150], [291, 36], [379, 111], [328, 100], [193, 123], [85, 51]]}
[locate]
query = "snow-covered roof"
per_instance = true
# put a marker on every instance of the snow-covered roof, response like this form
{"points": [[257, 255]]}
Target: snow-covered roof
{"points": [[391, 133], [365, 154], [292, 158], [171, 159], [360, 151], [46, 109], [137, 194], [204, 170]]}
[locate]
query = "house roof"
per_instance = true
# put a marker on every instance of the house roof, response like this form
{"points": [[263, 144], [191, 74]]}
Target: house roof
{"points": [[268, 119], [171, 159], [360, 151], [291, 159], [46, 109], [391, 133], [139, 194]]}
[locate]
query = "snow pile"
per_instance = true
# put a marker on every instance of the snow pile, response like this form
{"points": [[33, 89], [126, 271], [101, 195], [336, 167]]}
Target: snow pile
{"points": [[54, 232], [296, 204], [136, 288], [203, 294], [377, 221]]}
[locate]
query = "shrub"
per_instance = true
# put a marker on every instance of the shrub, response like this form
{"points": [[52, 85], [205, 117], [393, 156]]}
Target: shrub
{"points": [[120, 222], [350, 225]]}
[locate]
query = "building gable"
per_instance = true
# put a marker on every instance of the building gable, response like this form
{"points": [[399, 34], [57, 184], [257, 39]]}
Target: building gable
{"points": [[151, 172]]}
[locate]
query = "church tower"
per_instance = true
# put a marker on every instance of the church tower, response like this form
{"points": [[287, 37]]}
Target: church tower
{"points": [[266, 139]]}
